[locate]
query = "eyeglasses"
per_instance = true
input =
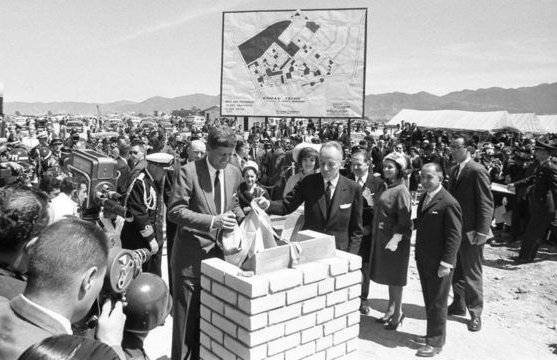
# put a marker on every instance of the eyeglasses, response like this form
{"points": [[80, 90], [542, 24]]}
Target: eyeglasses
{"points": [[134, 152]]}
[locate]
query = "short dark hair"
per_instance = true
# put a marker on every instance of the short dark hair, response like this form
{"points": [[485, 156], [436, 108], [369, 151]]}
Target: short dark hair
{"points": [[362, 152], [65, 248], [69, 347], [308, 153], [23, 215], [67, 185], [49, 183], [221, 136]]}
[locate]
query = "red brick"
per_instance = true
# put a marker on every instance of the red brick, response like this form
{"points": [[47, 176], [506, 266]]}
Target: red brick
{"points": [[205, 354], [205, 313], [204, 340], [205, 283]]}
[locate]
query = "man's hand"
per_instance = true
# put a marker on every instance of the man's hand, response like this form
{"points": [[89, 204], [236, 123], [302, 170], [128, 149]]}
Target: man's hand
{"points": [[443, 271], [154, 245], [480, 239], [368, 196], [110, 328], [225, 221], [262, 202]]}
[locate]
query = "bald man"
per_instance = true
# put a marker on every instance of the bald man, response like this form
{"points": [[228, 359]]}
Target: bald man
{"points": [[196, 151]]}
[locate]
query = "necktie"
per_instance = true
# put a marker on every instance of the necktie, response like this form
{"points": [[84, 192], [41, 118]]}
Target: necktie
{"points": [[427, 200], [459, 171], [328, 192], [361, 182], [217, 193]]}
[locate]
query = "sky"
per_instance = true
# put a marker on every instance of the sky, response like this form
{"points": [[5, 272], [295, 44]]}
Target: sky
{"points": [[106, 50]]}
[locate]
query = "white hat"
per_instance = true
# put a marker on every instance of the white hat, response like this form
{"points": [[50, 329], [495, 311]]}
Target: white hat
{"points": [[251, 164], [162, 159], [397, 158], [303, 145]]}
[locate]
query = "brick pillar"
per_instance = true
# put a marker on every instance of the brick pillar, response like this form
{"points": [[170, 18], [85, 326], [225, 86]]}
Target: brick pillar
{"points": [[310, 311]]}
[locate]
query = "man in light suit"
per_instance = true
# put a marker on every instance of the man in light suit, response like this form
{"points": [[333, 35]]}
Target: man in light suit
{"points": [[66, 272], [203, 205], [333, 203], [469, 184], [438, 237]]}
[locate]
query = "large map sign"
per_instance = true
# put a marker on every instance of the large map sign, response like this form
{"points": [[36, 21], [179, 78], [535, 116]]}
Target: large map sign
{"points": [[294, 63]]}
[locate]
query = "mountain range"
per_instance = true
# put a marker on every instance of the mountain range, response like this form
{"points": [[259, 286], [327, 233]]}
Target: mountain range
{"points": [[540, 99]]}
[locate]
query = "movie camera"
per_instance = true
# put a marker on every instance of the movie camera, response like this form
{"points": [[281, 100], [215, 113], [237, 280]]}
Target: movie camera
{"points": [[100, 175]]}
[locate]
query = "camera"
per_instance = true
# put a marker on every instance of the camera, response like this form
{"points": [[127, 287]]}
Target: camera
{"points": [[100, 175]]}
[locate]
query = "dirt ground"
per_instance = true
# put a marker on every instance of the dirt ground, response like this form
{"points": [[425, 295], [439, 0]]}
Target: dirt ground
{"points": [[519, 319]]}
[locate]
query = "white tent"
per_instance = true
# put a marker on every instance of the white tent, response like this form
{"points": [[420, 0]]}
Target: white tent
{"points": [[455, 119], [526, 123], [548, 123]]}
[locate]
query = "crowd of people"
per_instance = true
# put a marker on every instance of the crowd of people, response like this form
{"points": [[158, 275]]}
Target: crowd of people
{"points": [[200, 184]]}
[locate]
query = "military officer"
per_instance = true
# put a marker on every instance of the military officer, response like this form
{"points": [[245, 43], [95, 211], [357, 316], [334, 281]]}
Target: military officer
{"points": [[542, 201], [143, 201]]}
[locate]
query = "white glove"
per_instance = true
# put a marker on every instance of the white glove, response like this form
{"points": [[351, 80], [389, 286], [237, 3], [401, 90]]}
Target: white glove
{"points": [[393, 243]]}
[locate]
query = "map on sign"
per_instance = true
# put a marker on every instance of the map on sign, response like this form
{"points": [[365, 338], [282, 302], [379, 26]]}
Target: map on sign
{"points": [[294, 63]]}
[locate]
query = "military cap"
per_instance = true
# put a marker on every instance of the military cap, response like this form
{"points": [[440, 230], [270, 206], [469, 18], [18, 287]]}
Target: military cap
{"points": [[162, 159]]}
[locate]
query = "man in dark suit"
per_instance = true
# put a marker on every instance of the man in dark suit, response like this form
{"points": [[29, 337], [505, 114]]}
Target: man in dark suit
{"points": [[372, 187], [61, 290], [542, 202], [438, 237], [203, 204], [333, 203], [469, 184]]}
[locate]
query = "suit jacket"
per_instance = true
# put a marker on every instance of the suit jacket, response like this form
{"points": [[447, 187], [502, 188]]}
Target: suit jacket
{"points": [[438, 231], [544, 191], [472, 190], [22, 325], [192, 208], [344, 220]]}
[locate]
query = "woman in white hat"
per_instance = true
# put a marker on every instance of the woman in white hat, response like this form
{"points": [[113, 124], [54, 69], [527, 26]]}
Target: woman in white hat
{"points": [[250, 188], [306, 156], [391, 232]]}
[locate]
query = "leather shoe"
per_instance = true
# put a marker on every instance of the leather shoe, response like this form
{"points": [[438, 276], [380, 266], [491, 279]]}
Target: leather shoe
{"points": [[455, 309], [475, 324], [428, 351], [365, 309]]}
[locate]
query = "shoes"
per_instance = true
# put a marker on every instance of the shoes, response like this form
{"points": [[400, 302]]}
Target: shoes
{"points": [[365, 309], [384, 319], [394, 325], [457, 310], [419, 340], [428, 351], [475, 324]]}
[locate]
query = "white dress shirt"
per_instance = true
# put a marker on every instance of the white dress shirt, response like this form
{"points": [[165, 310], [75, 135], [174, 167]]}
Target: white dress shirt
{"points": [[62, 205], [334, 183]]}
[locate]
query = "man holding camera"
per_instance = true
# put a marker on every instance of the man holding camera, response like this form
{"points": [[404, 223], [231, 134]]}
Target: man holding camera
{"points": [[67, 267]]}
